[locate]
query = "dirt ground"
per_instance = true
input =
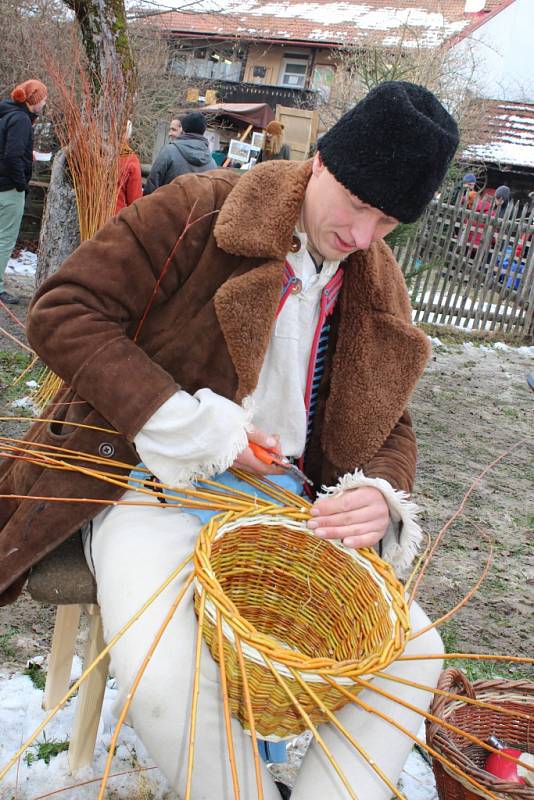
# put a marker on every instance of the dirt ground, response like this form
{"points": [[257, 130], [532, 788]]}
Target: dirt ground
{"points": [[472, 405]]}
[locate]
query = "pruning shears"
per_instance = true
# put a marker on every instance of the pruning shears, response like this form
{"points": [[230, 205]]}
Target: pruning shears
{"points": [[272, 457]]}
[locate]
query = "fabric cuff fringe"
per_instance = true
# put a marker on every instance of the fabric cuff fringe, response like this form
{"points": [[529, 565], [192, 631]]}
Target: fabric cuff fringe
{"points": [[403, 535]]}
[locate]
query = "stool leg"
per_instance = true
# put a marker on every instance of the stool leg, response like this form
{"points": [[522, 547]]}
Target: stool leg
{"points": [[60, 661], [90, 697]]}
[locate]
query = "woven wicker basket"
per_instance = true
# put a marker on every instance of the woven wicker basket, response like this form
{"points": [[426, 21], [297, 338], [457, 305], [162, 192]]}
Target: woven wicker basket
{"points": [[514, 732], [305, 603]]}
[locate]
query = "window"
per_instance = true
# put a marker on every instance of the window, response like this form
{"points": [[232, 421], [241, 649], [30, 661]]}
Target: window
{"points": [[209, 64], [323, 80], [294, 73]]}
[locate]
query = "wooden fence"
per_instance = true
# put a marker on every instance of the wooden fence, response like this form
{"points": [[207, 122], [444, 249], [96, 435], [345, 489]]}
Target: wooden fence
{"points": [[472, 269]]}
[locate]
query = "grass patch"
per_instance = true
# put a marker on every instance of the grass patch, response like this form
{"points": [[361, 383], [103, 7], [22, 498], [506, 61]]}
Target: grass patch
{"points": [[479, 670], [6, 642], [45, 750], [36, 674], [11, 366]]}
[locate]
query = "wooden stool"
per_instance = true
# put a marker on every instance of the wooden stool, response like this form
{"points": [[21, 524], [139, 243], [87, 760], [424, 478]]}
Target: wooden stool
{"points": [[64, 579]]}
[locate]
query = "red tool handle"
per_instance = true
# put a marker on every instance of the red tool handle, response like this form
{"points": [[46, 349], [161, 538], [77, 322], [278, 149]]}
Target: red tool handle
{"points": [[262, 454]]}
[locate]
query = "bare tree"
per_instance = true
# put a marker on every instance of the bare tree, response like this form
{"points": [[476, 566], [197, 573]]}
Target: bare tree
{"points": [[160, 92], [102, 26], [105, 40], [30, 29], [449, 75]]}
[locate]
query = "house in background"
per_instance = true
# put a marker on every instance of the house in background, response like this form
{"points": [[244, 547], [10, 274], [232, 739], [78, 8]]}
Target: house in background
{"points": [[505, 153], [500, 43], [287, 51], [500, 47]]}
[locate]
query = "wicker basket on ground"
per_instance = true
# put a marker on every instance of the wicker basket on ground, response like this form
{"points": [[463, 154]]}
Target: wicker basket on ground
{"points": [[310, 606], [518, 732]]}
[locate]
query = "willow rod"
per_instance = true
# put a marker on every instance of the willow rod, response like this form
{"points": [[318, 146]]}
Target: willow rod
{"points": [[341, 728], [443, 723], [457, 513], [141, 671], [465, 599], [506, 712], [250, 716], [226, 707], [413, 737], [92, 780], [307, 719], [75, 686], [194, 700]]}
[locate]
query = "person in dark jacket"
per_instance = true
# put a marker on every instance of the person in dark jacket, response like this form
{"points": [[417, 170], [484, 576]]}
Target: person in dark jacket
{"points": [[16, 156], [189, 152]]}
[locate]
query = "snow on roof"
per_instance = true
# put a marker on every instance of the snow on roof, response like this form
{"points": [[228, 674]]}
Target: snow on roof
{"points": [[509, 135], [415, 22]]}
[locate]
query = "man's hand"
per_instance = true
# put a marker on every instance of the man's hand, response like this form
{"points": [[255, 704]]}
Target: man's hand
{"points": [[359, 517], [247, 460]]}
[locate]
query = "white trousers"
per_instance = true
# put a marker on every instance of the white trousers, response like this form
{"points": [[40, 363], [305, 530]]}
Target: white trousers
{"points": [[133, 550]]}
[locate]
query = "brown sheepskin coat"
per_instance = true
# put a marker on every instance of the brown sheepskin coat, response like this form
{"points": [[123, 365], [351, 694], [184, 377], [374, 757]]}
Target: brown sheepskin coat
{"points": [[208, 325]]}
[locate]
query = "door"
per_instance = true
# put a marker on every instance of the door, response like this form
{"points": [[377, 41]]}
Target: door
{"points": [[300, 130]]}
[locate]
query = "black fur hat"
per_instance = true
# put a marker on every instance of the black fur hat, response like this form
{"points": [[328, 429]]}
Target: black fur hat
{"points": [[393, 148]]}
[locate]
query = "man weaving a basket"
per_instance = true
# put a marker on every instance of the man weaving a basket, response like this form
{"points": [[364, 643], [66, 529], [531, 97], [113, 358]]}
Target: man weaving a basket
{"points": [[223, 312]]}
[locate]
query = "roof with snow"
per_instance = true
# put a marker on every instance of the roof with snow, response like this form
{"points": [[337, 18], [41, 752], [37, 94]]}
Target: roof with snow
{"points": [[509, 135], [385, 22]]}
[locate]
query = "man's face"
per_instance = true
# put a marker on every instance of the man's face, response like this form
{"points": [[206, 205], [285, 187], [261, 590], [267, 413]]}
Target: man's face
{"points": [[337, 222], [175, 128]]}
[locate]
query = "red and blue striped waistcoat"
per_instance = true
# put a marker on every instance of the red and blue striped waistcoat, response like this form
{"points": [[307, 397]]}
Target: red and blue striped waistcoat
{"points": [[329, 297]]}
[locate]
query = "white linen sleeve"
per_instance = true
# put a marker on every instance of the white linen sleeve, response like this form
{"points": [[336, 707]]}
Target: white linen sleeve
{"points": [[192, 436], [403, 535]]}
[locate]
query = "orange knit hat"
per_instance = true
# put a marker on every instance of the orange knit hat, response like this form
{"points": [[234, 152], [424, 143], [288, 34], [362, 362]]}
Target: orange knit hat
{"points": [[31, 92], [275, 128]]}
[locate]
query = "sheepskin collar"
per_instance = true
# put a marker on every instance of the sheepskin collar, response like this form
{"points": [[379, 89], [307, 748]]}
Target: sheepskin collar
{"points": [[260, 213]]}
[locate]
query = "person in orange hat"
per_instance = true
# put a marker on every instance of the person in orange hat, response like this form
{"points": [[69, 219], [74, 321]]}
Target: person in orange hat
{"points": [[274, 148], [17, 116]]}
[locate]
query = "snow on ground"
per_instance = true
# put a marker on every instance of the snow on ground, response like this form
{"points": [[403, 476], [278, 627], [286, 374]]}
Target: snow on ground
{"points": [[525, 351], [21, 713], [24, 264], [417, 780]]}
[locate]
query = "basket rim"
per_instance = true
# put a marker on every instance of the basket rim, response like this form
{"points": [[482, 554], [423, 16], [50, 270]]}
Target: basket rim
{"points": [[257, 643], [494, 690]]}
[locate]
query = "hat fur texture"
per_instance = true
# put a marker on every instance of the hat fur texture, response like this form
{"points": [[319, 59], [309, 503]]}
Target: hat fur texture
{"points": [[31, 92], [393, 149]]}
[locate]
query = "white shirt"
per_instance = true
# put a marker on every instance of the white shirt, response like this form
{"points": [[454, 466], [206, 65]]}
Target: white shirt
{"points": [[278, 400]]}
